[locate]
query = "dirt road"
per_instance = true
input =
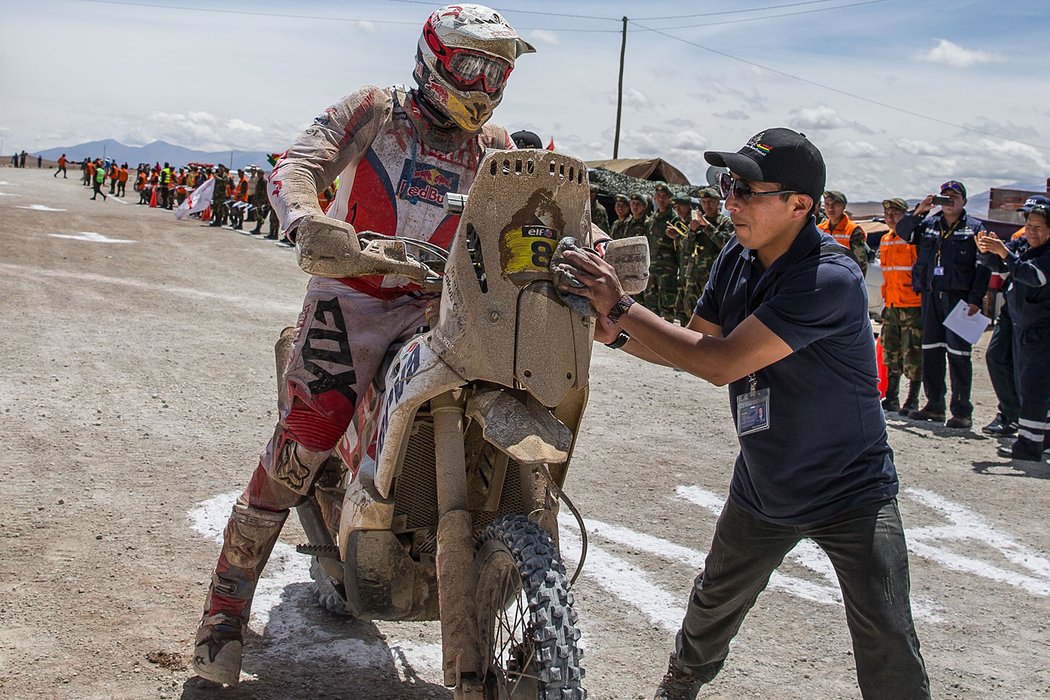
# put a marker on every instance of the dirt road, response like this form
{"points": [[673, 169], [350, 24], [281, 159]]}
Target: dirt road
{"points": [[137, 390]]}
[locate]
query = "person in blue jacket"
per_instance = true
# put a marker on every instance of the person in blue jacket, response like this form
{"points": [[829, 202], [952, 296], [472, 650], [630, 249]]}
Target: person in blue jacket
{"points": [[947, 271], [1026, 261]]}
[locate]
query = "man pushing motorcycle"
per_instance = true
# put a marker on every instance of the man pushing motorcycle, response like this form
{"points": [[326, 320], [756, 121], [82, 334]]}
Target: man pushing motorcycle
{"points": [[398, 153]]}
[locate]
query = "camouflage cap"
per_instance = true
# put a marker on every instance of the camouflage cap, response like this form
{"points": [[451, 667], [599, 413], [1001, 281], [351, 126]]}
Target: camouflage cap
{"points": [[836, 196], [895, 203], [709, 193], [639, 197], [662, 187]]}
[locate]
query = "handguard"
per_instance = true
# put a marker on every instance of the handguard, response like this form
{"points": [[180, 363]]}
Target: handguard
{"points": [[330, 248]]}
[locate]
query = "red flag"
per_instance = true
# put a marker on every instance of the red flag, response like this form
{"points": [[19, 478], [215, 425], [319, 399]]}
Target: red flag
{"points": [[550, 146]]}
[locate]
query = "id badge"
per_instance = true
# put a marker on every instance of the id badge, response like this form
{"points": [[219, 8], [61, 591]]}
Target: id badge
{"points": [[752, 410], [938, 271]]}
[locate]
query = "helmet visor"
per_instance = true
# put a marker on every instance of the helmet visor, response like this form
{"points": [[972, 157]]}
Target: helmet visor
{"points": [[478, 71]]}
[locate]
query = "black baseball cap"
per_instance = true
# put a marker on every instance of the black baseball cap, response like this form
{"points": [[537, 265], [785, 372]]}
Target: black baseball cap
{"points": [[526, 139], [777, 155], [1034, 201]]}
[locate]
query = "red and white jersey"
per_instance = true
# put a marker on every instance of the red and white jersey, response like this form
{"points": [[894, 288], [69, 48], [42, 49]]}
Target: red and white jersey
{"points": [[394, 171]]}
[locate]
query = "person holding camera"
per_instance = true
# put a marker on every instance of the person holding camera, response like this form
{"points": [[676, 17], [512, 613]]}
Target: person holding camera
{"points": [[947, 271], [1026, 261]]}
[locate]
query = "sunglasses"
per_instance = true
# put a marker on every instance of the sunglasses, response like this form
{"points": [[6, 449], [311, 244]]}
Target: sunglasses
{"points": [[730, 185], [953, 186]]}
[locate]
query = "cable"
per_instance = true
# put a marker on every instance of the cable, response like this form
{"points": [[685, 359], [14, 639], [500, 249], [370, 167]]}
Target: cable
{"points": [[839, 90], [782, 14]]}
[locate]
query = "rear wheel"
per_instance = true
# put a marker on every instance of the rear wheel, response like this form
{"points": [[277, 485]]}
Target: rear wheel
{"points": [[527, 624]]}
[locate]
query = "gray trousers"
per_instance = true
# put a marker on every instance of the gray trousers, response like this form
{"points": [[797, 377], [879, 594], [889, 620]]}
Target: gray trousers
{"points": [[867, 548]]}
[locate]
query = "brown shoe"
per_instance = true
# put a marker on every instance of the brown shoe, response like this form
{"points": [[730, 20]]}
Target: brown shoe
{"points": [[678, 683], [926, 413], [959, 422]]}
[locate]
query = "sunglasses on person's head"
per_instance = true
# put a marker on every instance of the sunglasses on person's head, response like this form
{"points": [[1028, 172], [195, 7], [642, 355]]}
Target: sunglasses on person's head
{"points": [[730, 185], [953, 186]]}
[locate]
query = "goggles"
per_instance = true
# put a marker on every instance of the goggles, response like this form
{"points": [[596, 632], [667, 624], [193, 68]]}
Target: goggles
{"points": [[476, 71], [729, 185], [954, 186]]}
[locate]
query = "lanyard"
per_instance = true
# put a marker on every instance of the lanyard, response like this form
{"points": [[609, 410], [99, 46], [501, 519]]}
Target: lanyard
{"points": [[943, 236]]}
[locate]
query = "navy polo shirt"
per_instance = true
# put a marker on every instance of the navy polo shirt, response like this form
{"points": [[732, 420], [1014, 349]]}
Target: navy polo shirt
{"points": [[825, 451]]}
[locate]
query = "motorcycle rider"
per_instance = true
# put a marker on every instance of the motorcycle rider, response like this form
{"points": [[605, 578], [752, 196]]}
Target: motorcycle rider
{"points": [[397, 152]]}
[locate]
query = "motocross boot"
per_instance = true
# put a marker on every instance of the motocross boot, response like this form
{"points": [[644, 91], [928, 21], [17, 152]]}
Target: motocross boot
{"points": [[247, 542]]}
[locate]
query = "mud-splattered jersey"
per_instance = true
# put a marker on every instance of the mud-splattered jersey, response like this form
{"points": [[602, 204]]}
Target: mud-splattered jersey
{"points": [[394, 172]]}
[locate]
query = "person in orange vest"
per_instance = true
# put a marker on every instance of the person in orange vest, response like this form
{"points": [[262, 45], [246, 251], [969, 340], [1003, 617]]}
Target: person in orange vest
{"points": [[840, 227], [122, 180], [902, 315], [142, 186], [114, 175], [240, 201], [90, 176], [61, 167]]}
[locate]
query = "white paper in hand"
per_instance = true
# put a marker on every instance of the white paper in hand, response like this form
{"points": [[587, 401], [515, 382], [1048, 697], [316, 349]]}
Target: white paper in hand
{"points": [[969, 328]]}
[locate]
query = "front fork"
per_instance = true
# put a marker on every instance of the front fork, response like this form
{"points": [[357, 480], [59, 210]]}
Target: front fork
{"points": [[461, 650]]}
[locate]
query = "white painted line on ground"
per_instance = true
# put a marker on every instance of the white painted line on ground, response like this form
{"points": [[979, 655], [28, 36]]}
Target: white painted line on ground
{"points": [[39, 207], [626, 581], [279, 612], [258, 304], [967, 525], [8, 194], [90, 236]]}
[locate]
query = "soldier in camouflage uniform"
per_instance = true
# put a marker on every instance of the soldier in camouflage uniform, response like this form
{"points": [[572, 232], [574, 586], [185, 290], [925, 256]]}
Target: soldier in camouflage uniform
{"points": [[709, 233], [663, 256], [622, 208], [638, 225], [218, 197], [684, 241], [599, 214]]}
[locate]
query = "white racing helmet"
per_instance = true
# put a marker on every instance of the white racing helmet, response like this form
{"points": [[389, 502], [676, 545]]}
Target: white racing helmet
{"points": [[465, 55]]}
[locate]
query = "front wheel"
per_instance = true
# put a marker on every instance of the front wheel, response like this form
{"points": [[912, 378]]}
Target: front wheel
{"points": [[527, 625]]}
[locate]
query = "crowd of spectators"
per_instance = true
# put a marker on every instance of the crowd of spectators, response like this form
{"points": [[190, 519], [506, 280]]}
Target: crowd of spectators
{"points": [[237, 197]]}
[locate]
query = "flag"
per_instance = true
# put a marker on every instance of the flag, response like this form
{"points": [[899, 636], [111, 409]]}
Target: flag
{"points": [[550, 146], [199, 200]]}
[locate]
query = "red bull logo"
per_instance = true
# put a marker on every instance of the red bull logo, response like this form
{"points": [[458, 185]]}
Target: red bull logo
{"points": [[425, 183]]}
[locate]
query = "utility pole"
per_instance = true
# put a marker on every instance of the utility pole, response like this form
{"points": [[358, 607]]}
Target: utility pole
{"points": [[619, 91]]}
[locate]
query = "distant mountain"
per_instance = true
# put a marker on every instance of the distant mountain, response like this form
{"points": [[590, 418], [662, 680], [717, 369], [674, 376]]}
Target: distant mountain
{"points": [[158, 151]]}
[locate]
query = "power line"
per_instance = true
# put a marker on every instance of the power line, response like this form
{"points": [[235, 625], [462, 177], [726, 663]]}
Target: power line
{"points": [[839, 91], [782, 14]]}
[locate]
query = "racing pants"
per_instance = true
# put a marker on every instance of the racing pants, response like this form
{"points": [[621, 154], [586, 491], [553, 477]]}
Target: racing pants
{"points": [[867, 548], [340, 341], [937, 343]]}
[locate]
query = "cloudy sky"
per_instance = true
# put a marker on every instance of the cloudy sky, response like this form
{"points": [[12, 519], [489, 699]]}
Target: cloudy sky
{"points": [[899, 95]]}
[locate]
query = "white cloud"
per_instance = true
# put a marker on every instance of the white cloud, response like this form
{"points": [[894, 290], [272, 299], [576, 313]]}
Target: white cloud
{"points": [[951, 54], [543, 36], [733, 115], [857, 150], [636, 99], [913, 147], [818, 117]]}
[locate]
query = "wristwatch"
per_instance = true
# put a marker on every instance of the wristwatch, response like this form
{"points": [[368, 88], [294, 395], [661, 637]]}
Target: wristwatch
{"points": [[620, 308], [620, 341]]}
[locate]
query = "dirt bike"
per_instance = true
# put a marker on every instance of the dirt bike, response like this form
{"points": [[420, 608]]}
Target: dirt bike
{"points": [[441, 500]]}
